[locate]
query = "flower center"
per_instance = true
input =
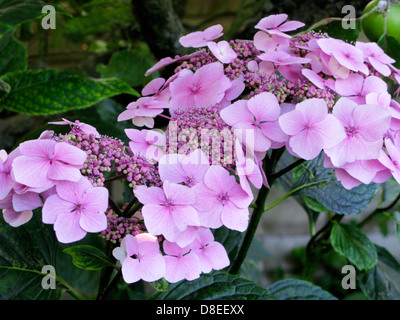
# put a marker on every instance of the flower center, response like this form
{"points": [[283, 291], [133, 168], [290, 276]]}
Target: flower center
{"points": [[351, 131], [223, 197]]}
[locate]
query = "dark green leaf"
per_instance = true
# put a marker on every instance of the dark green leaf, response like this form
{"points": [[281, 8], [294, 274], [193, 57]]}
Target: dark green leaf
{"points": [[88, 257], [24, 251], [354, 244], [314, 205], [129, 65], [334, 28], [39, 92], [217, 285], [323, 186], [292, 289], [396, 218], [15, 12], [13, 57], [391, 47], [383, 281]]}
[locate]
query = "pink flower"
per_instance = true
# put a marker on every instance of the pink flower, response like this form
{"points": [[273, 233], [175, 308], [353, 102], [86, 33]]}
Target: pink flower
{"points": [[376, 57], [264, 41], [282, 58], [46, 162], [201, 38], [17, 208], [181, 263], [76, 209], [6, 180], [77, 125], [168, 210], [222, 201], [212, 255], [311, 128], [359, 172], [140, 258], [259, 114], [273, 24], [356, 87], [365, 126], [222, 51], [392, 162], [143, 111], [148, 143], [188, 169], [345, 54], [205, 87], [247, 170]]}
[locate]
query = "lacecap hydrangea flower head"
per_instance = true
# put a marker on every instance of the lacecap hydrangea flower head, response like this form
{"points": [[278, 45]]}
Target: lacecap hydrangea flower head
{"points": [[228, 104]]}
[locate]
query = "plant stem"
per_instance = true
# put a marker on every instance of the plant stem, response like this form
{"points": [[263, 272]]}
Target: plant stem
{"points": [[269, 166], [280, 173], [251, 230]]}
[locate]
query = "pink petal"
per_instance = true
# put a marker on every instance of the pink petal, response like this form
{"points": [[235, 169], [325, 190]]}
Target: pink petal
{"points": [[292, 122], [32, 171], [213, 32], [55, 206], [153, 86], [38, 148], [307, 144], [61, 171], [27, 201], [159, 220], [16, 219], [217, 255], [67, 227], [235, 218], [69, 154], [271, 21], [147, 195], [290, 25], [264, 107], [73, 191]]}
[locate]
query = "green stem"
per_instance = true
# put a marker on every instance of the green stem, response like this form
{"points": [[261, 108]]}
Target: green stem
{"points": [[291, 192], [251, 230], [269, 166]]}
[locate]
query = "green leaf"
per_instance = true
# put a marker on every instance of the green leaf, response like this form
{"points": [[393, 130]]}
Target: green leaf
{"points": [[88, 257], [396, 219], [354, 244], [129, 65], [321, 184], [24, 251], [391, 47], [217, 285], [160, 285], [13, 57], [292, 289], [314, 205], [16, 12], [334, 28], [40, 92], [383, 281]]}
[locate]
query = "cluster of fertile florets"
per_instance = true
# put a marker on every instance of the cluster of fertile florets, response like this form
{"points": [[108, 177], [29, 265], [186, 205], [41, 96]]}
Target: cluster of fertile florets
{"points": [[229, 103], [118, 227]]}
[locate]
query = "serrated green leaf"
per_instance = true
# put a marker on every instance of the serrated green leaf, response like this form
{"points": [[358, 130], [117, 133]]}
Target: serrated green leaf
{"points": [[354, 244], [383, 281], [314, 205], [322, 185], [292, 289], [217, 285], [24, 251], [88, 257], [39, 92]]}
